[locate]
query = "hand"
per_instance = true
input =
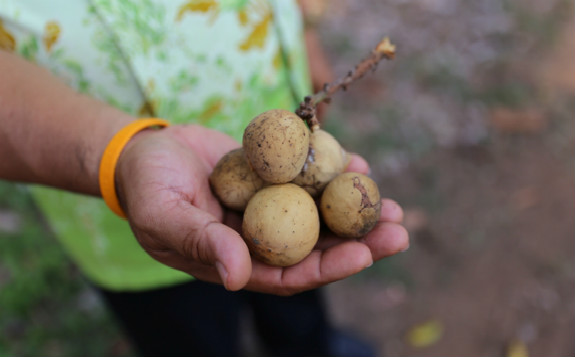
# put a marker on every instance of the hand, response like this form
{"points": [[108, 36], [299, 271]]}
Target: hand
{"points": [[162, 179]]}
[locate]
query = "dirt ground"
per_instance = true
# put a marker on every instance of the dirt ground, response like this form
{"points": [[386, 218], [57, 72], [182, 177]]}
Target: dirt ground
{"points": [[471, 130]]}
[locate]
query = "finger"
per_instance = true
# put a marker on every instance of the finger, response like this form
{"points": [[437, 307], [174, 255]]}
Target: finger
{"points": [[317, 269], [203, 272], [391, 211], [199, 237], [357, 164], [386, 239]]}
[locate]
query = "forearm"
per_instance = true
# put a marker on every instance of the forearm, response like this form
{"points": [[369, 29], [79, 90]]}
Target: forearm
{"points": [[50, 134]]}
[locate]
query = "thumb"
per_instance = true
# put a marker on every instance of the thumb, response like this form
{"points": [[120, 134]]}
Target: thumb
{"points": [[200, 237]]}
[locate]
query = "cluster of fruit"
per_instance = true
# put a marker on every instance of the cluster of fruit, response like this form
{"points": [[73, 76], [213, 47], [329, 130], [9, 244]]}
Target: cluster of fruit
{"points": [[284, 177]]}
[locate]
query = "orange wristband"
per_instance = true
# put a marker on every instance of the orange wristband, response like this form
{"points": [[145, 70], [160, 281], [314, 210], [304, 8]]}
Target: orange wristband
{"points": [[110, 158]]}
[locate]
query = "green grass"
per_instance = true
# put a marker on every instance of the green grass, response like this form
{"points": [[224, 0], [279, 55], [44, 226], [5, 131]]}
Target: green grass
{"points": [[46, 308]]}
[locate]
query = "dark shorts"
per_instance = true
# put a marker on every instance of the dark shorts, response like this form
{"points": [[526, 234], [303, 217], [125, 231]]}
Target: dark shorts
{"points": [[202, 319]]}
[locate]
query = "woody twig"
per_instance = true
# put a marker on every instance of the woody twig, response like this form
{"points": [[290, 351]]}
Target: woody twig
{"points": [[307, 109]]}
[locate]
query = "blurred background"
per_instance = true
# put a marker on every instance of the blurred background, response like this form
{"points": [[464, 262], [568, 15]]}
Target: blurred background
{"points": [[470, 129]]}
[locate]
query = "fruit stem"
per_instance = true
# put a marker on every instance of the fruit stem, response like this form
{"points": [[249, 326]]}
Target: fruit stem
{"points": [[307, 108]]}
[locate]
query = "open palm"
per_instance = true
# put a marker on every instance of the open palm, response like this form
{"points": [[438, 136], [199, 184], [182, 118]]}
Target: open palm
{"points": [[162, 180]]}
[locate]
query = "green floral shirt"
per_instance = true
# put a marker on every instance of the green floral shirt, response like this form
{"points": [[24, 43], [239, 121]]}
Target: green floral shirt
{"points": [[216, 63]]}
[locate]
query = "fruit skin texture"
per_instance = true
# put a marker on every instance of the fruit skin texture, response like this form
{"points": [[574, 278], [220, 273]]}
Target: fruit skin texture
{"points": [[326, 159], [350, 205], [276, 144], [233, 181], [281, 224]]}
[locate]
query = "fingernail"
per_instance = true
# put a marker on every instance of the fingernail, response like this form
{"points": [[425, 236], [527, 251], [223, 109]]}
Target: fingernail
{"points": [[222, 272], [404, 249]]}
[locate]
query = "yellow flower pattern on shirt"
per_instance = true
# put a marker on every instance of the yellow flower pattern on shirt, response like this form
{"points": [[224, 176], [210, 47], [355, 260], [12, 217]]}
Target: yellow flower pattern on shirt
{"points": [[51, 34], [206, 6], [7, 41], [260, 28]]}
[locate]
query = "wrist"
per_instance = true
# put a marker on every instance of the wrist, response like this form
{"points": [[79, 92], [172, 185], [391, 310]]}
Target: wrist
{"points": [[111, 159]]}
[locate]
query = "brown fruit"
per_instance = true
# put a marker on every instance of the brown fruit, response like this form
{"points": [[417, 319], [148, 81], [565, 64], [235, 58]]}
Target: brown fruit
{"points": [[233, 181], [281, 224], [350, 205], [276, 144], [326, 159]]}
